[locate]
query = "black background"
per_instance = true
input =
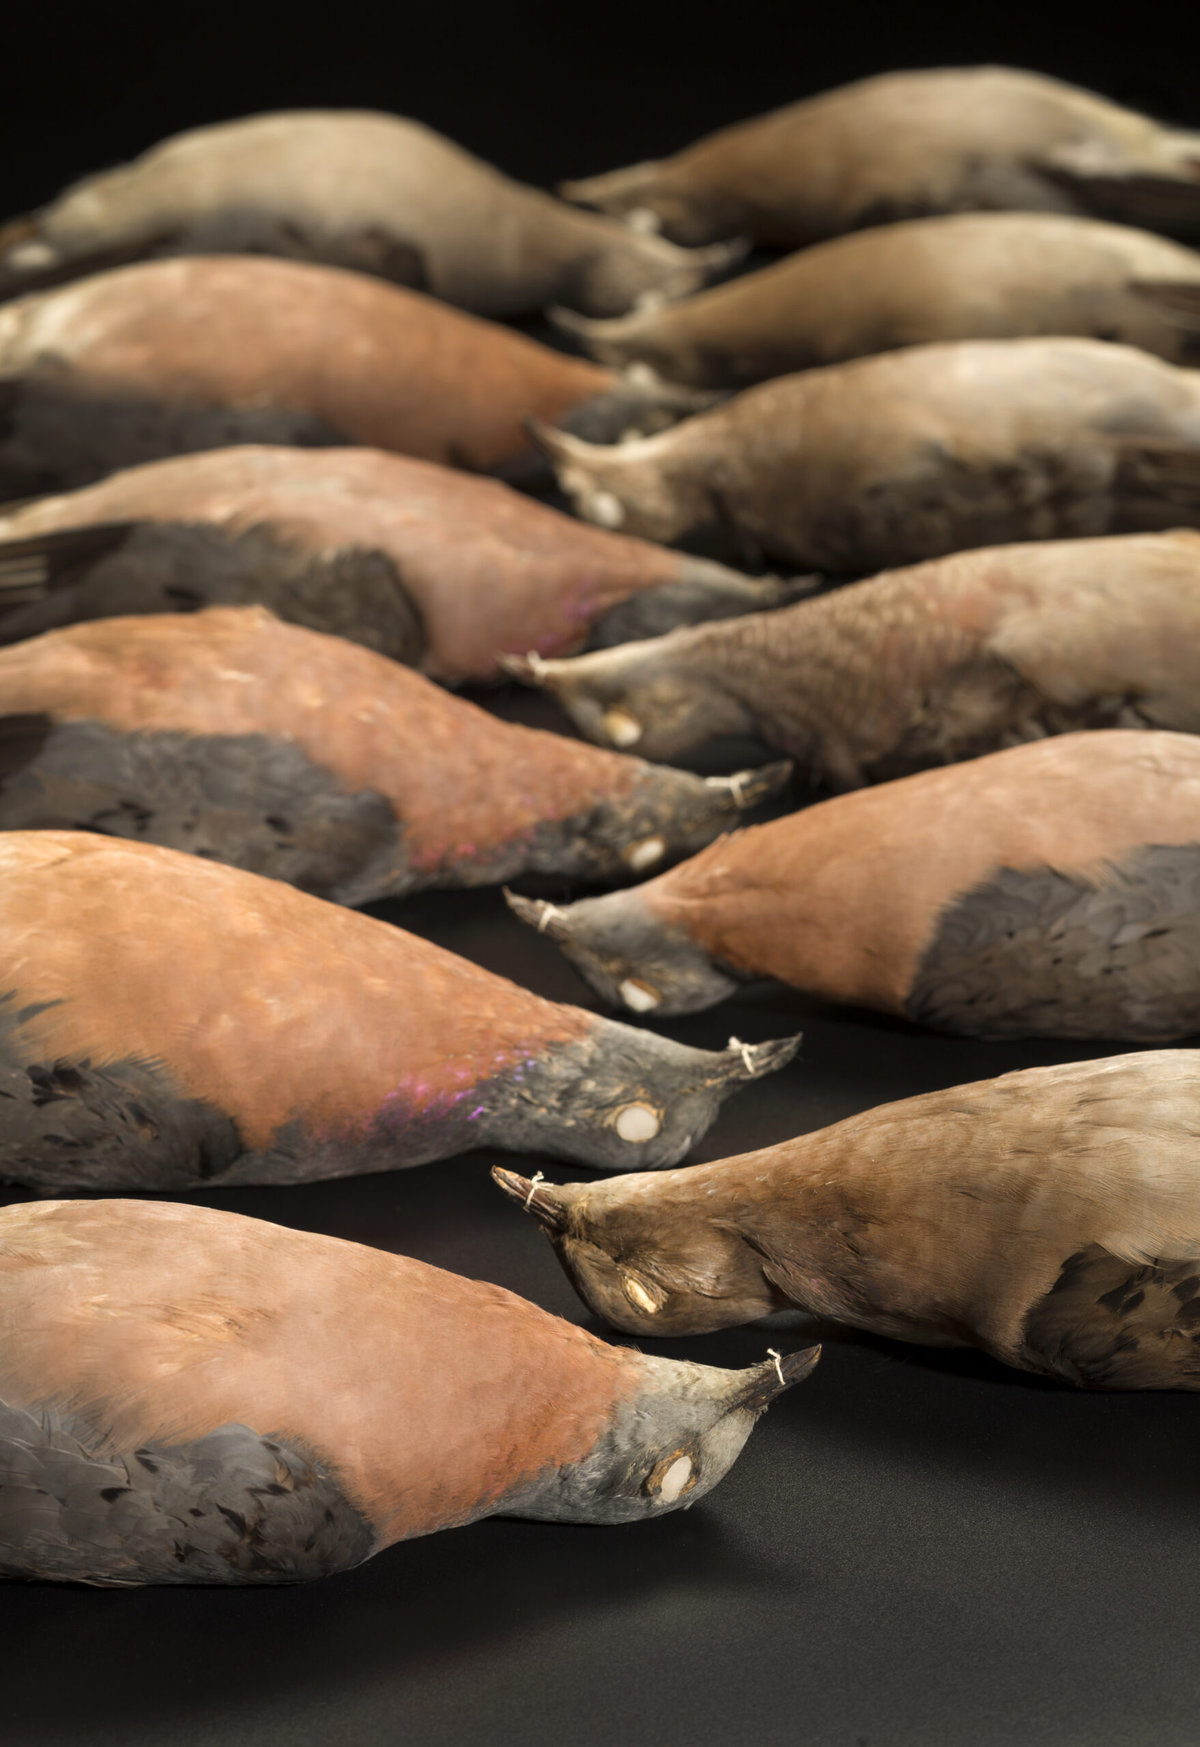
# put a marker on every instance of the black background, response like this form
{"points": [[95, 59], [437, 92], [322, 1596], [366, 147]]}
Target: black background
{"points": [[915, 1547]]}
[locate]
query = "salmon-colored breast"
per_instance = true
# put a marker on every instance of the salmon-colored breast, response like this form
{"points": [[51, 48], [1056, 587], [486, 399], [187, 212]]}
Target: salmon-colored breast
{"points": [[489, 569], [260, 999], [843, 899], [458, 778], [429, 1394], [380, 364]]}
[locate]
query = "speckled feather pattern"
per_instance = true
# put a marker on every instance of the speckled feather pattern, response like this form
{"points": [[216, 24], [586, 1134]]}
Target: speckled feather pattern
{"points": [[1051, 1216], [939, 662]]}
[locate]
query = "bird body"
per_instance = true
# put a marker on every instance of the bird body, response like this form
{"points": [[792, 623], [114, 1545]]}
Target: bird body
{"points": [[231, 735], [424, 563], [909, 455], [1050, 1216], [190, 1396], [170, 1023], [122, 367], [907, 144], [969, 276], [350, 188], [926, 665], [1052, 889]]}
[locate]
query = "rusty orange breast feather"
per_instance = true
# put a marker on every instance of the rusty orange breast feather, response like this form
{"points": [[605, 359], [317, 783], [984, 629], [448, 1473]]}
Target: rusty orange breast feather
{"points": [[265, 1002], [431, 1396]]}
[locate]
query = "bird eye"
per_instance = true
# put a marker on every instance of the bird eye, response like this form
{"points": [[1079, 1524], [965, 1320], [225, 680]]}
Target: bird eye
{"points": [[637, 1122], [622, 728], [640, 996], [644, 853], [669, 1479], [639, 1292]]}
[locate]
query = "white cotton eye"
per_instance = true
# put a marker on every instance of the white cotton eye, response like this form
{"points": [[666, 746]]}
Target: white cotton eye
{"points": [[675, 1479], [30, 255], [622, 728], [637, 996], [604, 508], [637, 1122], [645, 853], [644, 219], [639, 1294]]}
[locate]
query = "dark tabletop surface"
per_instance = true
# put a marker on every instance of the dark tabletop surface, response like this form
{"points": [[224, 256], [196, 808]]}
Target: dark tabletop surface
{"points": [[916, 1547]]}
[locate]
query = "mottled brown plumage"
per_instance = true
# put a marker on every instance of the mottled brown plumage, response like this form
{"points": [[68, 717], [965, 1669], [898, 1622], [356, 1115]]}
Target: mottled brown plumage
{"points": [[985, 276], [1050, 889], [167, 1022], [901, 145], [1051, 1216], [939, 662], [911, 454], [229, 734], [189, 1396], [166, 357], [354, 541]]}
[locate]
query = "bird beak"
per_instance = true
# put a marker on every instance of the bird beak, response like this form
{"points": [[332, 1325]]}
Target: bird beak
{"points": [[536, 1198], [777, 1373]]}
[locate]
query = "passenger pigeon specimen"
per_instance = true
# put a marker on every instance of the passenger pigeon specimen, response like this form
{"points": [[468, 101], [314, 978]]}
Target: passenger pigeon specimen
{"points": [[1051, 1216], [1052, 889], [169, 1023], [902, 145], [352, 189], [190, 1396], [124, 367], [987, 276], [424, 563], [909, 455], [942, 661], [231, 735]]}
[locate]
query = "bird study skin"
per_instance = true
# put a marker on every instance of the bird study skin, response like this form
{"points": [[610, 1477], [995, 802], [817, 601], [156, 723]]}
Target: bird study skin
{"points": [[349, 188], [887, 460], [170, 1023], [231, 735], [424, 563], [909, 145], [191, 1396], [1050, 1216], [970, 276], [928, 665], [1052, 889], [121, 368]]}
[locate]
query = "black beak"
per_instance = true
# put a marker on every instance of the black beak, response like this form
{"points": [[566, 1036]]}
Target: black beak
{"points": [[767, 1381], [535, 1198]]}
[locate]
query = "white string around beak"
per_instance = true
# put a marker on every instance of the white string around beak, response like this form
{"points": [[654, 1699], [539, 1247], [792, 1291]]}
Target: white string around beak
{"points": [[746, 1051], [540, 1177], [778, 1357]]}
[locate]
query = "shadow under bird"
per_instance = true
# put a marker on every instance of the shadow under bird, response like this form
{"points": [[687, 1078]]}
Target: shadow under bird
{"points": [[994, 276], [911, 144], [434, 567], [170, 1023], [1049, 890], [168, 357], [908, 455], [190, 1396], [231, 735], [1051, 1217], [943, 661], [352, 188]]}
